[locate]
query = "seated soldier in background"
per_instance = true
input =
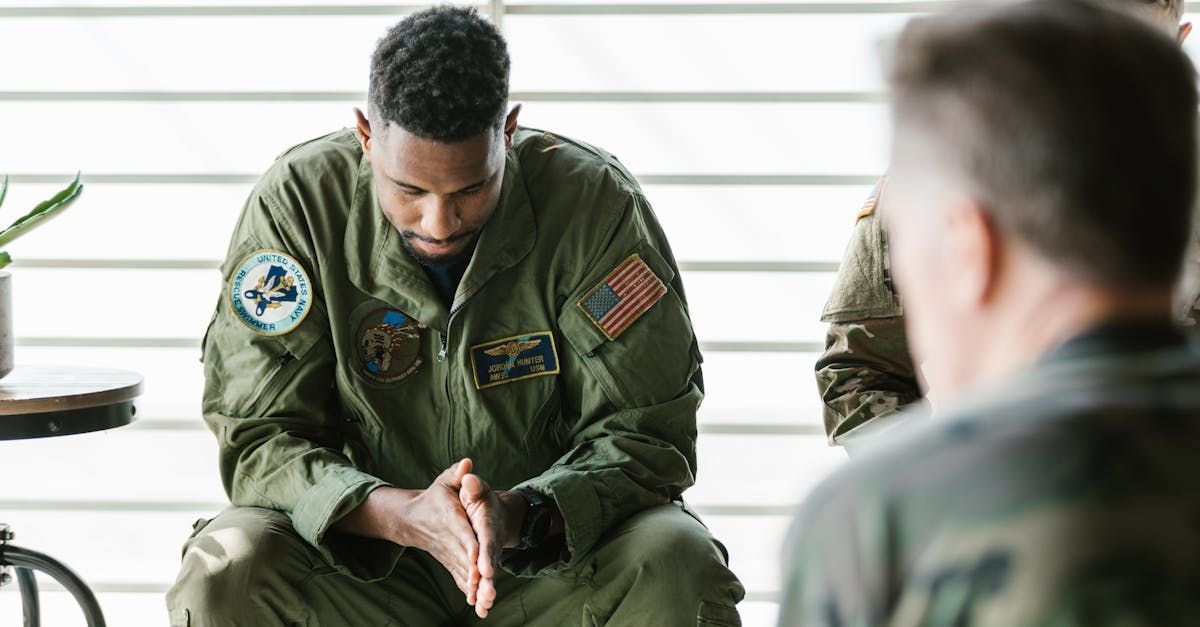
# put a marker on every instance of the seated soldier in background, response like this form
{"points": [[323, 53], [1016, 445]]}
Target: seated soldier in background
{"points": [[1044, 167], [866, 371]]}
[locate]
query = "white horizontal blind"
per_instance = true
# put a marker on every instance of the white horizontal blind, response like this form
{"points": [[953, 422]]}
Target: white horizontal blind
{"points": [[756, 128], [754, 155]]}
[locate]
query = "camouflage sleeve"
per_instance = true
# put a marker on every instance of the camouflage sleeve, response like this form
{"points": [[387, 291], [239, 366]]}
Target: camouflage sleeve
{"points": [[866, 371]]}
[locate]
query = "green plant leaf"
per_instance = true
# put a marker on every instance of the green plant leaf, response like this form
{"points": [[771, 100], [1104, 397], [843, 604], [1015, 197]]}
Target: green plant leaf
{"points": [[5, 259], [3, 190], [42, 213], [67, 193]]}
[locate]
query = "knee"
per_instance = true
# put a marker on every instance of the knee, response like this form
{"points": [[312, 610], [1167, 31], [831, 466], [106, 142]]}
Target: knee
{"points": [[241, 553], [674, 551], [668, 549]]}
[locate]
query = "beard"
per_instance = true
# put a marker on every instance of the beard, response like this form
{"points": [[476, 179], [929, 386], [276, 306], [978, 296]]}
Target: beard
{"points": [[430, 261]]}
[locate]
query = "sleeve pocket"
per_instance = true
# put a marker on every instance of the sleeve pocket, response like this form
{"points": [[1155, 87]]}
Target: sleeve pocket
{"points": [[250, 369], [244, 369], [652, 360]]}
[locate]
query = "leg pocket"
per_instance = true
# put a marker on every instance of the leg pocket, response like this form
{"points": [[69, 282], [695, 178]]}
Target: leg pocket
{"points": [[716, 615], [179, 618]]}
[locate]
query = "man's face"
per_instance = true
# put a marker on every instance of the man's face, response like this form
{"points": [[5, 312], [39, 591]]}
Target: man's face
{"points": [[916, 202], [438, 196]]}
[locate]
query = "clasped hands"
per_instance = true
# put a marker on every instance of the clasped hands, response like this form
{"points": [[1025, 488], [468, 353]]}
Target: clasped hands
{"points": [[458, 519]]}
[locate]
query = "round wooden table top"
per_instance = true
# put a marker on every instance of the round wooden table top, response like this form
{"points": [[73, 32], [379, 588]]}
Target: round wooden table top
{"points": [[43, 401], [36, 389]]}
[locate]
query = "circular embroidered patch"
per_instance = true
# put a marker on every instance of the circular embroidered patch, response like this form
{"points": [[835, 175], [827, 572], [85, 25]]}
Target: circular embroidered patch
{"points": [[389, 346], [270, 292]]}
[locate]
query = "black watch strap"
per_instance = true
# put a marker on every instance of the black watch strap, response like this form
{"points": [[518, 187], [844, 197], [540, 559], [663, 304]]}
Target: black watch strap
{"points": [[538, 519]]}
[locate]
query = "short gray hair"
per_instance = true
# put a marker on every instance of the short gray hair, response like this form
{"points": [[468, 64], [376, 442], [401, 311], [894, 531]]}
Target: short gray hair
{"points": [[1150, 10], [1075, 126]]}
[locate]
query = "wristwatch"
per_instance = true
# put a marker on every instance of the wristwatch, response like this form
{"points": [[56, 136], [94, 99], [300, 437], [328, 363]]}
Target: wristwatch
{"points": [[538, 519]]}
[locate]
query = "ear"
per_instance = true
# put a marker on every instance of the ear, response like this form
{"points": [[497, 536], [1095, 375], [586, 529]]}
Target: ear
{"points": [[1185, 29], [362, 128], [972, 248], [510, 126]]}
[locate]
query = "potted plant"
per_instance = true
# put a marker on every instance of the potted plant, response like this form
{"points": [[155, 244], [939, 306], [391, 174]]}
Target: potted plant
{"points": [[38, 216]]}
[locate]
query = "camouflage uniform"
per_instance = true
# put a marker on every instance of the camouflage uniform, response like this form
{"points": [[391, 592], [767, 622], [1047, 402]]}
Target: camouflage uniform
{"points": [[1090, 457], [865, 371]]}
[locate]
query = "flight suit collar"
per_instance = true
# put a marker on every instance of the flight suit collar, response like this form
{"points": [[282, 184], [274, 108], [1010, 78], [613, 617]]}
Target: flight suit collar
{"points": [[506, 239], [378, 264]]}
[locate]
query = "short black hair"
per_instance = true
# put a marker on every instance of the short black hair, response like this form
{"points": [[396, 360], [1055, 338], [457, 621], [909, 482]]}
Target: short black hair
{"points": [[441, 74], [1073, 124]]}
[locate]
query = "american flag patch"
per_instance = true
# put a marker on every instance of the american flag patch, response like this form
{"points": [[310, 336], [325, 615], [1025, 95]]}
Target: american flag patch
{"points": [[623, 296], [872, 203]]}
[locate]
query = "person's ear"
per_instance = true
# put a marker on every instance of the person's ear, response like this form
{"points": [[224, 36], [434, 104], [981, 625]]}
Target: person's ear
{"points": [[1185, 29], [972, 248], [510, 126], [362, 128]]}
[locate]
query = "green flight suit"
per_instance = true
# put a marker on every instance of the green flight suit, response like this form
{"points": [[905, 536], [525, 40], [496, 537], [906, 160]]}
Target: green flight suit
{"points": [[367, 378]]}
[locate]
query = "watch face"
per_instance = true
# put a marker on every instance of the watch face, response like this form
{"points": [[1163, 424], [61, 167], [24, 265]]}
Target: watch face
{"points": [[534, 499]]}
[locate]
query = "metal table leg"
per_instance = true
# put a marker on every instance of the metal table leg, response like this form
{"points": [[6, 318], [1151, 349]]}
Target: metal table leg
{"points": [[27, 582], [27, 561]]}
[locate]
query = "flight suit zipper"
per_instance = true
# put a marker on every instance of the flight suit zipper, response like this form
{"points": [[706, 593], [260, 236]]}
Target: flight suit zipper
{"points": [[443, 352], [441, 357], [444, 336]]}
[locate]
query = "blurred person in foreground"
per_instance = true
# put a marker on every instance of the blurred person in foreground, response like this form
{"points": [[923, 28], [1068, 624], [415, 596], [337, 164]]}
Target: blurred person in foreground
{"points": [[1044, 168], [452, 375], [866, 373]]}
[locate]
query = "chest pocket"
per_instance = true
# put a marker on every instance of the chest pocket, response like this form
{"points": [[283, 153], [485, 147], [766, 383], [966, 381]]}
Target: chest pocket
{"points": [[514, 379]]}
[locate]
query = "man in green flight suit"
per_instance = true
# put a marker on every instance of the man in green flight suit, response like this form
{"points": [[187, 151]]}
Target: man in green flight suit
{"points": [[452, 375], [866, 373], [1040, 256]]}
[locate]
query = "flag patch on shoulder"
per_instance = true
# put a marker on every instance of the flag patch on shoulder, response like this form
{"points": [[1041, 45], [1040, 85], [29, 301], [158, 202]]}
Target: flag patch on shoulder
{"points": [[629, 291], [869, 207]]}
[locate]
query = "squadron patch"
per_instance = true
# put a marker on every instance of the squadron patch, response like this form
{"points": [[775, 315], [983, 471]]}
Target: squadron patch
{"points": [[514, 358], [389, 346], [270, 292], [629, 291]]}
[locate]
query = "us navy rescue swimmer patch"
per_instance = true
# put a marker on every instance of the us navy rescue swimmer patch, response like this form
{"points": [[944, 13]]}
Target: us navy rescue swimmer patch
{"points": [[270, 292], [513, 359]]}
